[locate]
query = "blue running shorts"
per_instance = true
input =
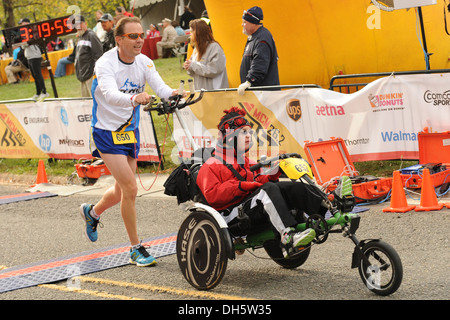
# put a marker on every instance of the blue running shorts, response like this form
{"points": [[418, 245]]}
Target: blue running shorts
{"points": [[105, 141]]}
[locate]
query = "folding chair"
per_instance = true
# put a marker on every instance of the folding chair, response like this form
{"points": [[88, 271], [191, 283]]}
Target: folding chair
{"points": [[180, 48]]}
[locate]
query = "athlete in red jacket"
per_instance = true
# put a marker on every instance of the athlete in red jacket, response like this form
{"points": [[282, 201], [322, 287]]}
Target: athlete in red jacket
{"points": [[264, 199]]}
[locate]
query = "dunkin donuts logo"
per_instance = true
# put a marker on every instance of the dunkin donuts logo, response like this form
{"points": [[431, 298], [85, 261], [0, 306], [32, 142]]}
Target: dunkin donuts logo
{"points": [[387, 102], [294, 109]]}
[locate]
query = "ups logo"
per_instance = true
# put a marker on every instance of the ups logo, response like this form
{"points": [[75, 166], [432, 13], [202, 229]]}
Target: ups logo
{"points": [[293, 109]]}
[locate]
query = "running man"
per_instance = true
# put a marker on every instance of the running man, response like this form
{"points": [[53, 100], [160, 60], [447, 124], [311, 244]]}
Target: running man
{"points": [[118, 90]]}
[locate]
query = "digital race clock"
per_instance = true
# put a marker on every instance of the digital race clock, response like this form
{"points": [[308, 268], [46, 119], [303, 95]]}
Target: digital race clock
{"points": [[42, 31]]}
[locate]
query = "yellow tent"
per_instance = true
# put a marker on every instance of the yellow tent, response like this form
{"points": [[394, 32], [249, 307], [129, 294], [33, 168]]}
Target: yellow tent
{"points": [[317, 39]]}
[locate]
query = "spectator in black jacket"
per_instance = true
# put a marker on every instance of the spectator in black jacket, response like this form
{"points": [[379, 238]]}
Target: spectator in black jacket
{"points": [[186, 17], [259, 66], [89, 50], [107, 22]]}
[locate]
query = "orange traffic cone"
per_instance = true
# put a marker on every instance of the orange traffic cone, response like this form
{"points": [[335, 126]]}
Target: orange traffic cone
{"points": [[41, 174], [428, 198], [398, 197]]}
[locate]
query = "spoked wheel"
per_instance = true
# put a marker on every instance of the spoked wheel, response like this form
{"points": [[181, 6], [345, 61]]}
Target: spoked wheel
{"points": [[383, 272], [274, 251], [201, 251]]}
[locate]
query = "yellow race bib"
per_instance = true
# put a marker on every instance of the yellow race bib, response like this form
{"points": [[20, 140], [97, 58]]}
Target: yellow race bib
{"points": [[123, 137]]}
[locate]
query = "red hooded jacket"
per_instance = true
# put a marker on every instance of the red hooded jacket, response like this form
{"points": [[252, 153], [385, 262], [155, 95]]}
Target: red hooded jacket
{"points": [[220, 186]]}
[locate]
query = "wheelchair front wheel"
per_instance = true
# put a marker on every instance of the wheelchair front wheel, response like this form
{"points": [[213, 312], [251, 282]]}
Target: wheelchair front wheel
{"points": [[382, 270], [201, 251]]}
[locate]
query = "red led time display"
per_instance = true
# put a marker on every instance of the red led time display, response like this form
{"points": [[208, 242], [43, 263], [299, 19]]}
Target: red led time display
{"points": [[43, 31]]}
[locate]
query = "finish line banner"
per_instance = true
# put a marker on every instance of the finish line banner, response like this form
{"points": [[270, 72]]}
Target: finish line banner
{"points": [[379, 122], [58, 129]]}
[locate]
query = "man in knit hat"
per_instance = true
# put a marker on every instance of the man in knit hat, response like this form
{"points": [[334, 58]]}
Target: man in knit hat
{"points": [[259, 66], [226, 182]]}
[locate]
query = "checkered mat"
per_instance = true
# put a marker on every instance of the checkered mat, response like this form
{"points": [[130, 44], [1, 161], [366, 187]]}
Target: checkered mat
{"points": [[25, 196], [79, 264]]}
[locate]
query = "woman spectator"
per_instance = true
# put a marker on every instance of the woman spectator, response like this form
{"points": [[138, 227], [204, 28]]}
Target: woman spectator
{"points": [[153, 32], [207, 64]]}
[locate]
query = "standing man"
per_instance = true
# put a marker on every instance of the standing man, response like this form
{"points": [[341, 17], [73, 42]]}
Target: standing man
{"points": [[118, 90], [168, 36], [107, 22], [89, 49], [259, 66]]}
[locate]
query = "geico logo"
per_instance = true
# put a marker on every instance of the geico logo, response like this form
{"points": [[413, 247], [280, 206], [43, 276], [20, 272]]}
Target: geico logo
{"points": [[84, 117]]}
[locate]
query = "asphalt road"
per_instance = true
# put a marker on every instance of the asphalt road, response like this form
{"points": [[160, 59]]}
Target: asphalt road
{"points": [[47, 228]]}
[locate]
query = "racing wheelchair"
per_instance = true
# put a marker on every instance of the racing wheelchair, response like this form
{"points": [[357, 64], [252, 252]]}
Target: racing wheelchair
{"points": [[205, 242]]}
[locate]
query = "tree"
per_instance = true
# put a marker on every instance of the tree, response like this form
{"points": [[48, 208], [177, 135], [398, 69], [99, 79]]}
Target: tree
{"points": [[38, 10]]}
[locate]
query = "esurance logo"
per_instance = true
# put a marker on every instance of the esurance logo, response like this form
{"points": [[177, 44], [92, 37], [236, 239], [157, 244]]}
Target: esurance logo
{"points": [[387, 101], [437, 99], [294, 109]]}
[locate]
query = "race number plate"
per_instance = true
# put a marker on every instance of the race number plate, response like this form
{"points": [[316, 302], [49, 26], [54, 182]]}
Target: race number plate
{"points": [[123, 137]]}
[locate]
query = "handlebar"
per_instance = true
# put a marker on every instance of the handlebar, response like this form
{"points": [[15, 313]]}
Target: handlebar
{"points": [[264, 161], [174, 102]]}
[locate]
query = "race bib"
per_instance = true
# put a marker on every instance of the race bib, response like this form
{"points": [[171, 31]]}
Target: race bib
{"points": [[123, 137]]}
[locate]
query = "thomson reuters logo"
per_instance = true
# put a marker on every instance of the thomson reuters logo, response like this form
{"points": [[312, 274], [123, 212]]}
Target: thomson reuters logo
{"points": [[294, 109]]}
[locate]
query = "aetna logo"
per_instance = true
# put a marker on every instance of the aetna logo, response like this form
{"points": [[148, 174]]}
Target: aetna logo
{"points": [[330, 110]]}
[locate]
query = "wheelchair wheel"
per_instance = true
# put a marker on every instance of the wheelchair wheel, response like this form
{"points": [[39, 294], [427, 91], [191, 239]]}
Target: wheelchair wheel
{"points": [[382, 273], [273, 249], [201, 251]]}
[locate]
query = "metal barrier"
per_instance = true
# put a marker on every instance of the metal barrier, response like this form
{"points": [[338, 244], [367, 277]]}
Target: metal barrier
{"points": [[271, 88], [356, 86]]}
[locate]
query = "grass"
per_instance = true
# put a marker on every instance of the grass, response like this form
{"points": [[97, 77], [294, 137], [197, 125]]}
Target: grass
{"points": [[171, 71]]}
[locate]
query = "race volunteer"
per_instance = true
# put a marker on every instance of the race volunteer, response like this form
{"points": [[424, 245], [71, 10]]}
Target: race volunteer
{"points": [[265, 199], [118, 90], [259, 65]]}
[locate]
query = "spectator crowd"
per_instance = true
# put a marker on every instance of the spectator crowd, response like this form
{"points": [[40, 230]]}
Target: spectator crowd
{"points": [[206, 65]]}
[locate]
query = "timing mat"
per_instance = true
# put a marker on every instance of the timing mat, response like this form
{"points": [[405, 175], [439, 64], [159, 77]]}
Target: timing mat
{"points": [[25, 196], [60, 269]]}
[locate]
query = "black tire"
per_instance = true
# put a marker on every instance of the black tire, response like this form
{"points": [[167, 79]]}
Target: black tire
{"points": [[201, 251], [274, 251], [384, 274]]}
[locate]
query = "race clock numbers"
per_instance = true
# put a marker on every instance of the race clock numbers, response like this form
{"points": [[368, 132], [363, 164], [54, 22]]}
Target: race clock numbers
{"points": [[42, 31]]}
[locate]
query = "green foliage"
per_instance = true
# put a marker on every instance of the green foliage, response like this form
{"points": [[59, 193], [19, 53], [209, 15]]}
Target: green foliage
{"points": [[39, 10]]}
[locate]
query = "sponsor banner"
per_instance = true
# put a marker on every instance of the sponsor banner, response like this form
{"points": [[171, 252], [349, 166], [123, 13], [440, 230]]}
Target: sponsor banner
{"points": [[271, 136], [58, 129], [379, 122]]}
